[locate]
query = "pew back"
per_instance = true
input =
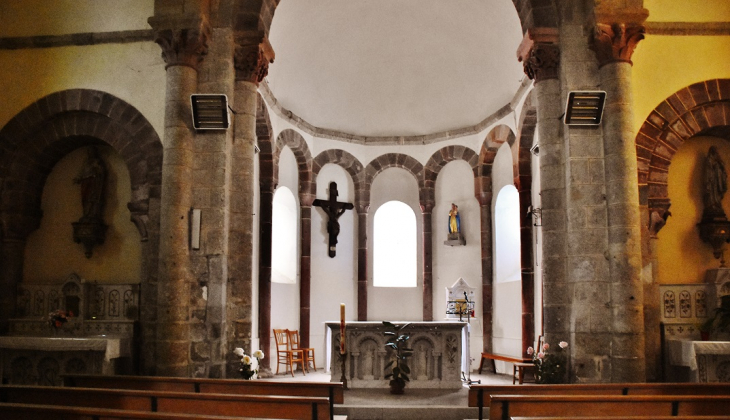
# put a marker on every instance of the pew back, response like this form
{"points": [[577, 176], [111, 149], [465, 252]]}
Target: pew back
{"points": [[480, 395], [13, 411], [261, 406], [503, 407]]}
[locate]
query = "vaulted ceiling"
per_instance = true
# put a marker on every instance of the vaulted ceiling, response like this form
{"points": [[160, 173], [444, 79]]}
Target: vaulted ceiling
{"points": [[395, 68]]}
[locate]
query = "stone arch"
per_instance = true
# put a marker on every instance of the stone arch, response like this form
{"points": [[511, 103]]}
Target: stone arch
{"points": [[40, 135], [346, 161], [263, 141], [292, 139], [437, 162], [483, 191], [392, 160], [699, 109]]}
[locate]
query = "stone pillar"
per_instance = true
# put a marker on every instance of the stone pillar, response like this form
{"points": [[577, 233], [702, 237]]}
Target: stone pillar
{"points": [[614, 45], [184, 43], [528, 273], [362, 261], [485, 212], [305, 264], [252, 58], [540, 56], [266, 202], [426, 214]]}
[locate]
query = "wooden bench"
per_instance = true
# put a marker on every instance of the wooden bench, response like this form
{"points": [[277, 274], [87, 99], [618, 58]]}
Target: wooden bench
{"points": [[258, 406], [504, 407], [501, 357], [12, 411], [622, 418], [480, 395], [334, 391]]}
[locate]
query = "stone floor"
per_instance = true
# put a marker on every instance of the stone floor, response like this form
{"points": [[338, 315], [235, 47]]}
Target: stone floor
{"points": [[422, 404]]}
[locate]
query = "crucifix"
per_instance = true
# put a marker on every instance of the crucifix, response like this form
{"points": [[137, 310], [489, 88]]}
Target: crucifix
{"points": [[334, 210]]}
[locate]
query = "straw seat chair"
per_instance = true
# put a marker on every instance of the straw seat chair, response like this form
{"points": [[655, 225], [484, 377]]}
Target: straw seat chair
{"points": [[285, 355], [308, 352]]}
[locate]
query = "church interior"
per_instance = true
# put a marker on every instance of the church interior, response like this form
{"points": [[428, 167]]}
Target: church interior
{"points": [[180, 178]]}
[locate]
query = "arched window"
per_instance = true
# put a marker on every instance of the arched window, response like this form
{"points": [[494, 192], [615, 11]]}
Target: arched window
{"points": [[507, 235], [394, 246], [284, 237]]}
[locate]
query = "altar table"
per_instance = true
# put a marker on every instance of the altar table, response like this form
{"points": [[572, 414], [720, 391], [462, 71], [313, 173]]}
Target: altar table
{"points": [[708, 361], [42, 360], [436, 361]]}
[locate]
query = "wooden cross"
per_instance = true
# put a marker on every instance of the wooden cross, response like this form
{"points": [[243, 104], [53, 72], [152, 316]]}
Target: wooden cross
{"points": [[334, 210]]}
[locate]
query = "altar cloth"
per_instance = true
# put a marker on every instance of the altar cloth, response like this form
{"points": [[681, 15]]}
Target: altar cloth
{"points": [[113, 347]]}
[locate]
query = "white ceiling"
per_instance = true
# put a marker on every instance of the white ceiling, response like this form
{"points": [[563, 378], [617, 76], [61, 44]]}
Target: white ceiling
{"points": [[394, 67]]}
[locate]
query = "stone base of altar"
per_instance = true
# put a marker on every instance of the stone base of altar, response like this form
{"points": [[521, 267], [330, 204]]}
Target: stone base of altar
{"points": [[436, 361], [698, 361], [43, 360]]}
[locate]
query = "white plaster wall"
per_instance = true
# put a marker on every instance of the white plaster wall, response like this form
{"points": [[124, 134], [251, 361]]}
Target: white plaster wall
{"points": [[395, 303], [334, 280], [285, 297], [455, 184], [507, 296]]}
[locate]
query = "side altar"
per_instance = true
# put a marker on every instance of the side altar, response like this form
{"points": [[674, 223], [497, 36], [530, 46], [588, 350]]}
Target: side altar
{"points": [[98, 339], [436, 362]]}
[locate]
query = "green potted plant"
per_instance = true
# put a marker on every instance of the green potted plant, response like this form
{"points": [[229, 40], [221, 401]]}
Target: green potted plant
{"points": [[397, 369]]}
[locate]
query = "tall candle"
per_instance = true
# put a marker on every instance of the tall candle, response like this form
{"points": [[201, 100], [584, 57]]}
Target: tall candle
{"points": [[342, 328]]}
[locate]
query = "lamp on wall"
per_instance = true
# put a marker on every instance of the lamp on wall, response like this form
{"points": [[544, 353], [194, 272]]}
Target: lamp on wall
{"points": [[536, 213], [210, 112], [584, 107]]}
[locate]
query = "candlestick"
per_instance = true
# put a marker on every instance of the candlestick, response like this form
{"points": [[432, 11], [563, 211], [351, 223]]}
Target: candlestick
{"points": [[342, 328]]}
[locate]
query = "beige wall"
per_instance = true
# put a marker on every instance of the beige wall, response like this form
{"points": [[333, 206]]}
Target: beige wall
{"points": [[663, 65], [50, 252]]}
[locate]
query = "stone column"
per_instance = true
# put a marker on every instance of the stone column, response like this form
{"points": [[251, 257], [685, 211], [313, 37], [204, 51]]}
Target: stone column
{"points": [[362, 261], [485, 212], [540, 56], [614, 45], [426, 214], [528, 273], [305, 270], [266, 202], [184, 43], [252, 58]]}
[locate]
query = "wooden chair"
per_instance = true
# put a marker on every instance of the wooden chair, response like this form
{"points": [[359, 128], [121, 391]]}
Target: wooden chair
{"points": [[284, 353], [308, 352]]}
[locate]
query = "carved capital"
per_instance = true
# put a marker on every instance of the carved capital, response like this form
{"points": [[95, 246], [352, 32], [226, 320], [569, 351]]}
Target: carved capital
{"points": [[616, 42], [182, 43], [139, 215], [541, 62], [540, 54], [658, 218], [252, 58]]}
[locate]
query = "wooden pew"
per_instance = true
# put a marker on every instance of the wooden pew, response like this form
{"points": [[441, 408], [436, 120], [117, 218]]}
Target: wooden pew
{"points": [[334, 391], [502, 357], [504, 407], [622, 418], [260, 406], [480, 395], [12, 411]]}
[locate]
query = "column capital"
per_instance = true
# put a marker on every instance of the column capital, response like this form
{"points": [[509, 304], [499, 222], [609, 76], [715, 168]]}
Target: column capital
{"points": [[615, 42], [252, 57], [540, 54], [184, 41]]}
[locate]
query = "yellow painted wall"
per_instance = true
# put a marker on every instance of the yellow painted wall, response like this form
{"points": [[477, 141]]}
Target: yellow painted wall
{"points": [[56, 17], [682, 256], [50, 252], [662, 66]]}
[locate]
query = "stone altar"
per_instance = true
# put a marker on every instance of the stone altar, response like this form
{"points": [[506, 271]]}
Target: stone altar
{"points": [[436, 362], [708, 361], [98, 339]]}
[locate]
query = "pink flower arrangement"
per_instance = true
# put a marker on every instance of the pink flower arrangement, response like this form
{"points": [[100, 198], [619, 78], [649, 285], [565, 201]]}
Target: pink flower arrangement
{"points": [[550, 367]]}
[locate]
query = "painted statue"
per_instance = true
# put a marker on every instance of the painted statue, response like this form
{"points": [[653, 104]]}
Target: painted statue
{"points": [[454, 219], [92, 179]]}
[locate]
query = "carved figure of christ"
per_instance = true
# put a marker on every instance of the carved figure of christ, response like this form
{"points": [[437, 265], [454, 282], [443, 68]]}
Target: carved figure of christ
{"points": [[334, 210]]}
